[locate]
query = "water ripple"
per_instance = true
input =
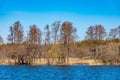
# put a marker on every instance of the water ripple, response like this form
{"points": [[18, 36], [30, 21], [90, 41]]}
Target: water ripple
{"points": [[79, 72]]}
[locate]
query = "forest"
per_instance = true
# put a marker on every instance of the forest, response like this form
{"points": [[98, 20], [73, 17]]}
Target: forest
{"points": [[58, 43]]}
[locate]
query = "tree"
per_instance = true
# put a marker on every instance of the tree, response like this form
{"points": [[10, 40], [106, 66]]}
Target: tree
{"points": [[99, 32], [47, 42], [11, 35], [118, 30], [119, 40], [54, 52], [47, 36], [1, 40], [95, 34], [16, 33], [55, 29], [113, 33], [34, 43], [67, 36], [90, 33], [16, 37], [34, 35]]}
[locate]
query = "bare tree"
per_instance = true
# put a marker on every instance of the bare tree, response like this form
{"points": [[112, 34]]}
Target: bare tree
{"points": [[11, 35], [34, 35], [113, 33], [67, 36], [118, 32], [16, 33], [47, 36], [90, 33], [55, 29], [47, 43], [34, 44], [99, 32], [1, 40], [95, 34]]}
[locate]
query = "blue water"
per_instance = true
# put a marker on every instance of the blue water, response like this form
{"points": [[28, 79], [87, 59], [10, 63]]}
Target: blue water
{"points": [[79, 72]]}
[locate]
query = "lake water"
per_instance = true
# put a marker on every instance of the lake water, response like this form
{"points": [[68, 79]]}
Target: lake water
{"points": [[79, 72]]}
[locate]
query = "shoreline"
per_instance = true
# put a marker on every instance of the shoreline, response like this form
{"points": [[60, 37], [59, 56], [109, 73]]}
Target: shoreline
{"points": [[72, 61]]}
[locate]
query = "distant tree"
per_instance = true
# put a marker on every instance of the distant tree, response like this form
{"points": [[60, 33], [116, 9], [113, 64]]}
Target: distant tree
{"points": [[99, 32], [47, 36], [34, 35], [53, 53], [113, 33], [11, 35], [47, 43], [96, 32], [99, 36], [55, 29], [118, 32], [90, 33], [119, 40], [1, 40], [67, 36], [34, 43], [16, 33]]}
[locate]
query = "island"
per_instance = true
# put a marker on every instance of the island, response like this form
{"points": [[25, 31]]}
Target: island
{"points": [[59, 45]]}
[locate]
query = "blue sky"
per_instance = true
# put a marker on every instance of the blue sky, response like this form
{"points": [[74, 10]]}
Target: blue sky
{"points": [[82, 13]]}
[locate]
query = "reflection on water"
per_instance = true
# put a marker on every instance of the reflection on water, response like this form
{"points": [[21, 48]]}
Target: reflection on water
{"points": [[79, 72]]}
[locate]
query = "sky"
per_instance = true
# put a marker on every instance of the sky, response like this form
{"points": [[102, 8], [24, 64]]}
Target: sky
{"points": [[82, 13]]}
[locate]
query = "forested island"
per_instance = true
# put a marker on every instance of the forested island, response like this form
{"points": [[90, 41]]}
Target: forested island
{"points": [[58, 45]]}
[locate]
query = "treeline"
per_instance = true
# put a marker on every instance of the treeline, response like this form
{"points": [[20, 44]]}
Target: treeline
{"points": [[59, 44]]}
